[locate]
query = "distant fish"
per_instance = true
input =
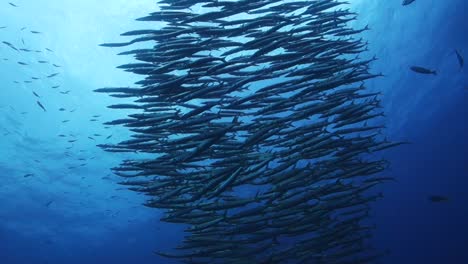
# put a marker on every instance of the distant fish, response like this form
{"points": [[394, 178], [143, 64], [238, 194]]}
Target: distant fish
{"points": [[23, 28], [25, 50], [35, 32], [109, 137], [2, 27], [53, 75], [423, 70], [22, 41], [22, 63], [65, 121], [41, 106], [62, 109], [28, 175], [35, 78], [49, 50], [438, 198], [57, 66], [42, 61], [55, 87], [461, 61], [66, 92], [49, 203], [35, 94], [13, 4], [91, 138], [407, 2]]}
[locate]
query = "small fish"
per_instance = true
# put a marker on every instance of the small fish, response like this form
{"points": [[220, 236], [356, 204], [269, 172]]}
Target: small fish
{"points": [[62, 135], [422, 70], [25, 50], [62, 109], [109, 137], [56, 65], [35, 94], [42, 61], [13, 4], [22, 63], [65, 121], [3, 27], [35, 78], [41, 106], [96, 116], [461, 61], [27, 81], [407, 2], [53, 75], [55, 87], [49, 50], [91, 138], [93, 120], [438, 198], [22, 41], [71, 111], [49, 203], [28, 175], [97, 135], [23, 28], [72, 141], [66, 92], [35, 32]]}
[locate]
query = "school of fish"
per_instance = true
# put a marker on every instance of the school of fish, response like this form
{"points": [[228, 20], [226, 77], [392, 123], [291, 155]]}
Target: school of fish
{"points": [[257, 130]]}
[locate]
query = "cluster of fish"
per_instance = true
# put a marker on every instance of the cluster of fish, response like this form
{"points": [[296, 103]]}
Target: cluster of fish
{"points": [[22, 48], [257, 130]]}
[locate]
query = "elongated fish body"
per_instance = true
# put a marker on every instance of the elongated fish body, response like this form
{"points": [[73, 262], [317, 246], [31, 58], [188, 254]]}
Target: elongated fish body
{"points": [[461, 61], [407, 2], [423, 70]]}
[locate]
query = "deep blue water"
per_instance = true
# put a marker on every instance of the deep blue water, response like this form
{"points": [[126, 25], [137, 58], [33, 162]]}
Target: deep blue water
{"points": [[65, 213]]}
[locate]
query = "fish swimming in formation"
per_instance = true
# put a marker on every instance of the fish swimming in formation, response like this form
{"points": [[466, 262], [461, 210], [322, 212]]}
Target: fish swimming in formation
{"points": [[211, 124], [423, 70], [461, 61]]}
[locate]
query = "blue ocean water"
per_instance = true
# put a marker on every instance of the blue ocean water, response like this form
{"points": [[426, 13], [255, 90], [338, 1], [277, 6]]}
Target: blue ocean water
{"points": [[59, 203]]}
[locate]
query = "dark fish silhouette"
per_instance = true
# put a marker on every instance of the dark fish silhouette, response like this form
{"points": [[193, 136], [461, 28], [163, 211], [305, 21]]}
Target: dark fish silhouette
{"points": [[423, 70], [36, 32], [35, 94], [461, 61], [438, 198], [2, 27], [28, 175], [22, 63], [53, 75], [13, 5], [407, 2], [41, 106]]}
